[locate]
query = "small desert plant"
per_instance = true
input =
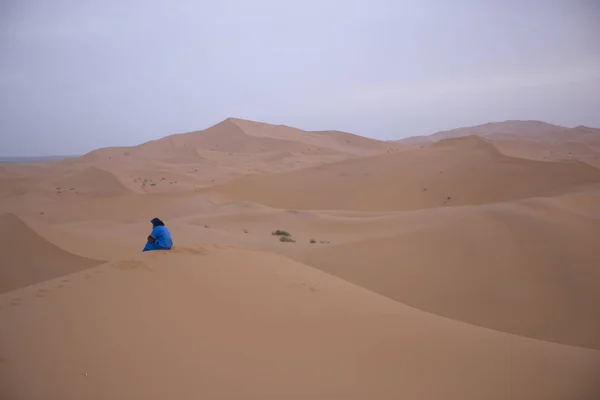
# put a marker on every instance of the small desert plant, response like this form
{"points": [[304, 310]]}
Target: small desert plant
{"points": [[281, 233], [286, 239], [313, 241]]}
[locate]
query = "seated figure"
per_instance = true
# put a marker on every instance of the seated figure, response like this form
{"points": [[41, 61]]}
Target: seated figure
{"points": [[160, 238]]}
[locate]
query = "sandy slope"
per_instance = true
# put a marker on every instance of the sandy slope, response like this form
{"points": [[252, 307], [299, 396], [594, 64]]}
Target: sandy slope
{"points": [[462, 171], [237, 324], [528, 268], [27, 258]]}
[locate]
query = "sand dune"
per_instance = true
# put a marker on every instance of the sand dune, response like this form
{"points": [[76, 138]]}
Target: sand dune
{"points": [[529, 269], [20, 179], [93, 181], [28, 259], [218, 154], [443, 260], [226, 136], [587, 151], [242, 136], [61, 179], [529, 139], [11, 185], [463, 171], [523, 128], [490, 130], [203, 323]]}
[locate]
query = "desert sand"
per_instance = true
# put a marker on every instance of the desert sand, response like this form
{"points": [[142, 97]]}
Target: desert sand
{"points": [[463, 265]]}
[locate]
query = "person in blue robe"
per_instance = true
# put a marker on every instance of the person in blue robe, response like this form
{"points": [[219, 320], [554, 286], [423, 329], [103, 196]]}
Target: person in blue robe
{"points": [[160, 238]]}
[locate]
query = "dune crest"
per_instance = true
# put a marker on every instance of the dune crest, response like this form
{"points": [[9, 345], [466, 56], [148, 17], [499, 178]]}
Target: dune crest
{"points": [[243, 136]]}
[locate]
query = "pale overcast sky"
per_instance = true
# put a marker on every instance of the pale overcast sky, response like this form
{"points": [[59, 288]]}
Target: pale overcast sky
{"points": [[76, 75]]}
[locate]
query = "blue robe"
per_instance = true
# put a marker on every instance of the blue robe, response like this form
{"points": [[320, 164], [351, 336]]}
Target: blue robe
{"points": [[163, 239]]}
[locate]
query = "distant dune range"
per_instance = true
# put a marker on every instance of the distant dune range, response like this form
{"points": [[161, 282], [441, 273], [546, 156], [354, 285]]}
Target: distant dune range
{"points": [[462, 265], [529, 139]]}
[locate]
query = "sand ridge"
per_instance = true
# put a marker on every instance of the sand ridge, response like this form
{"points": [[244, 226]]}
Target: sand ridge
{"points": [[27, 258]]}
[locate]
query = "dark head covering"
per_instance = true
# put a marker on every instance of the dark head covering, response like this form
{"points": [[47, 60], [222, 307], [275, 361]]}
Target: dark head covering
{"points": [[157, 222]]}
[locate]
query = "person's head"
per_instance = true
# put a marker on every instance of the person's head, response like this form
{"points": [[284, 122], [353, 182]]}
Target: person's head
{"points": [[157, 222]]}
